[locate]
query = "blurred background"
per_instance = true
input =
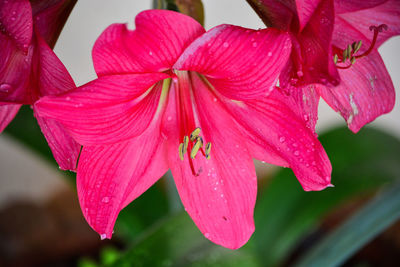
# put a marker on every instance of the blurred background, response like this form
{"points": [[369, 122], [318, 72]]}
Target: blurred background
{"points": [[353, 224]]}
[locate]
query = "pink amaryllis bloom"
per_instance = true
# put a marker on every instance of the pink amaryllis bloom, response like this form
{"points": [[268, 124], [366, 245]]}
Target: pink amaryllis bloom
{"points": [[170, 96], [335, 44], [29, 69]]}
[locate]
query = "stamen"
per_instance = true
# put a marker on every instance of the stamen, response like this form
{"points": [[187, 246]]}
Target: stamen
{"points": [[208, 150], [351, 50], [185, 142], [195, 134], [181, 151], [196, 147]]}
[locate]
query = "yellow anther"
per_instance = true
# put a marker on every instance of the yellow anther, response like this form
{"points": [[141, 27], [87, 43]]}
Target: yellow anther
{"points": [[195, 134], [196, 147], [353, 60], [181, 151], [208, 150], [347, 53], [185, 143], [335, 58]]}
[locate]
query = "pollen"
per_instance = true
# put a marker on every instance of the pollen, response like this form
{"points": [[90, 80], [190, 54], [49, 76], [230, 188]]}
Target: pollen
{"points": [[194, 143]]}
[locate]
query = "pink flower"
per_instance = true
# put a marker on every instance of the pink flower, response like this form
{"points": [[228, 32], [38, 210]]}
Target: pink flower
{"points": [[29, 69], [170, 96], [321, 31]]}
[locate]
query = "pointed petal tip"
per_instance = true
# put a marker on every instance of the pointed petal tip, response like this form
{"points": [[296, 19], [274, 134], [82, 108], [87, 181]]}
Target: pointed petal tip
{"points": [[233, 244]]}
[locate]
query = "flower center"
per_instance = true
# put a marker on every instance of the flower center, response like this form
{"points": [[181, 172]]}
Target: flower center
{"points": [[347, 57], [189, 131]]}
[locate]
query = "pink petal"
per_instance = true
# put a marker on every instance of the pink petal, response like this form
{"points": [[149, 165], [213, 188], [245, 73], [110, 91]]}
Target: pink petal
{"points": [[15, 68], [107, 110], [50, 73], [50, 17], [159, 39], [365, 93], [315, 42], [240, 63], [275, 129], [304, 102], [387, 13], [221, 199], [344, 6], [305, 10], [16, 21], [7, 114], [111, 176], [65, 149]]}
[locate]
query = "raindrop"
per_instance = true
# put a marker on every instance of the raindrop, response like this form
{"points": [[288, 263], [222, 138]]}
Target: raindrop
{"points": [[207, 235], [226, 44], [282, 139], [269, 54], [68, 98], [105, 199], [150, 53], [103, 236], [295, 145], [296, 153], [169, 118], [255, 44], [5, 87], [222, 195], [215, 99]]}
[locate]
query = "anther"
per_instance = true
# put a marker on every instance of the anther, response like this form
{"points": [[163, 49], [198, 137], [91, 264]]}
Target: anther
{"points": [[185, 142], [196, 147], [335, 58], [181, 151], [195, 134], [208, 150]]}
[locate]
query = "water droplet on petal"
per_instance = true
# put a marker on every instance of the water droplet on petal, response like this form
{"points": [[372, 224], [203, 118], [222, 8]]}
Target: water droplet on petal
{"points": [[105, 199], [269, 54], [5, 87], [103, 236], [226, 44], [282, 139], [296, 153], [207, 235], [255, 44]]}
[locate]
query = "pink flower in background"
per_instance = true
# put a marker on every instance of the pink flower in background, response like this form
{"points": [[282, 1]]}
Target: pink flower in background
{"points": [[170, 96], [347, 33], [29, 69]]}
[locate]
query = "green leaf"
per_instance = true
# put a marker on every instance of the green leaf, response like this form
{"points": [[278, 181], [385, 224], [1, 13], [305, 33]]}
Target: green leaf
{"points": [[285, 214], [372, 219], [176, 241]]}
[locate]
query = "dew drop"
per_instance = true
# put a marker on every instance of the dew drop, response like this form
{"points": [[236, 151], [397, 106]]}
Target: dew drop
{"points": [[68, 98], [215, 99], [105, 199], [5, 87], [103, 236], [255, 44], [296, 153], [269, 54], [207, 235], [282, 139], [225, 44], [169, 118], [150, 53], [222, 195]]}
